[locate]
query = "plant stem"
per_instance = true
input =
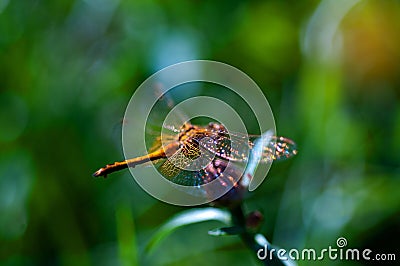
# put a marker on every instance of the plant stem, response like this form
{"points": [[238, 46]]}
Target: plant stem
{"points": [[239, 219]]}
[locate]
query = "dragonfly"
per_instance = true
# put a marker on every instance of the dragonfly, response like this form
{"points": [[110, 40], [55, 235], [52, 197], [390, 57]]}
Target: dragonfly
{"points": [[197, 155]]}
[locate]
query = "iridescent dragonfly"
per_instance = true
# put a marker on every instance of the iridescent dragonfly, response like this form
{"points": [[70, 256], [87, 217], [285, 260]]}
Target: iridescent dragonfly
{"points": [[212, 143]]}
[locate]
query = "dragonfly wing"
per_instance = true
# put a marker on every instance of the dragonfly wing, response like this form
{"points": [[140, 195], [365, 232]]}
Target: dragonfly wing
{"points": [[234, 147], [174, 164], [281, 148], [212, 171], [186, 167], [228, 147], [190, 178]]}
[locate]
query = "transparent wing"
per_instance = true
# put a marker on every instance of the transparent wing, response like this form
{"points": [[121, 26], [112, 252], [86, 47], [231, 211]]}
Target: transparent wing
{"points": [[212, 171], [284, 148], [157, 116], [190, 165], [174, 164], [232, 147], [191, 178]]}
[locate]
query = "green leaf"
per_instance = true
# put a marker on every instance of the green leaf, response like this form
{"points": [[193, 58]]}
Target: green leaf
{"points": [[126, 236], [185, 218]]}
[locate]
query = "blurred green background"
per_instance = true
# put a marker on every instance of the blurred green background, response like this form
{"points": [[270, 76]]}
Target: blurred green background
{"points": [[330, 70]]}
